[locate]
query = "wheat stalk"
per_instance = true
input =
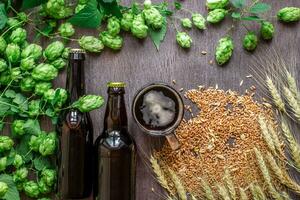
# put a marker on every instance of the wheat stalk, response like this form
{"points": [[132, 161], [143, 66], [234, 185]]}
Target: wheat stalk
{"points": [[243, 195], [230, 185], [208, 193], [223, 192], [292, 143], [275, 94], [292, 102], [265, 133], [178, 185], [293, 85], [281, 175], [160, 175], [257, 192]]}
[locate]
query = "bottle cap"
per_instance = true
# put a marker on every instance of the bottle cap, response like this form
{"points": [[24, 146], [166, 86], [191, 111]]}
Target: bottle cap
{"points": [[77, 51], [116, 84]]}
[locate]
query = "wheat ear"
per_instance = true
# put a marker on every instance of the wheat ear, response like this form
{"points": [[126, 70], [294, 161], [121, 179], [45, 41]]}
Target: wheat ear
{"points": [[178, 185], [281, 175], [276, 140], [275, 94], [223, 192], [286, 196], [293, 85], [230, 185], [265, 133], [243, 195], [207, 190], [292, 143], [193, 197], [160, 175], [257, 192], [292, 102]]}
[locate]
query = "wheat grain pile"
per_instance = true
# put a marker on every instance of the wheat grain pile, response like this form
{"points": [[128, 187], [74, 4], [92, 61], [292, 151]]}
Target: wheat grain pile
{"points": [[221, 136]]}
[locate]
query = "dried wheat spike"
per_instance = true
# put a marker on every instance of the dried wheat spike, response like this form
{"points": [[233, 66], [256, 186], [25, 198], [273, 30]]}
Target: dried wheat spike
{"points": [[207, 190], [193, 197], [178, 185], [293, 85], [257, 192], [223, 192], [276, 140], [243, 195], [286, 196], [292, 102], [230, 185], [265, 133], [275, 94]]}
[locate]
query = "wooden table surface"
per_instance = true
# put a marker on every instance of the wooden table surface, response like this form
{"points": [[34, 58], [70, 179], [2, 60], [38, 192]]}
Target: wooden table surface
{"points": [[139, 63]]}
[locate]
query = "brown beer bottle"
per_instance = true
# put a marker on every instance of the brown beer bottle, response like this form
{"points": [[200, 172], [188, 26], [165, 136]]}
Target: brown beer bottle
{"points": [[115, 151], [76, 137]]}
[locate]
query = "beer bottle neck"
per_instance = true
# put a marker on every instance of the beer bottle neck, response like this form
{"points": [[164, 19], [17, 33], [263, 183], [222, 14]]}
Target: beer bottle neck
{"points": [[75, 79], [115, 115]]}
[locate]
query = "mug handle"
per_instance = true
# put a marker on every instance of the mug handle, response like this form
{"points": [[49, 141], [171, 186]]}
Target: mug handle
{"points": [[173, 141]]}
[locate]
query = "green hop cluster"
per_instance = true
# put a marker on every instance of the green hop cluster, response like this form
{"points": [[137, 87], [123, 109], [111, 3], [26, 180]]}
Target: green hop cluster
{"points": [[22, 16], [267, 30], [199, 21], [3, 189], [18, 161], [44, 72], [42, 87], [216, 4], [49, 95], [66, 29], [57, 9], [43, 188], [91, 44], [18, 36], [88, 103], [3, 45], [113, 26], [3, 163], [216, 16], [13, 23], [12, 53], [152, 16], [20, 176], [126, 21], [113, 42], [61, 96], [34, 108], [250, 41], [44, 143], [6, 143], [54, 50], [27, 64], [139, 29], [48, 176], [3, 65], [27, 84], [224, 50], [183, 39], [15, 73], [31, 189], [18, 127], [289, 14], [186, 23], [32, 51], [59, 63], [65, 53]]}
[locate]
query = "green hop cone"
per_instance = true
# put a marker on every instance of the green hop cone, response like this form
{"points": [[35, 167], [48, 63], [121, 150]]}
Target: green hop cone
{"points": [[153, 17], [139, 29], [183, 39], [126, 21], [44, 188], [16, 74], [289, 14], [215, 4], [147, 4], [66, 29], [3, 189], [199, 21], [113, 26], [267, 30], [31, 189], [18, 36], [3, 45], [27, 64], [48, 176], [59, 63], [88, 103], [33, 50], [18, 161], [224, 50], [6, 143], [113, 42], [65, 53], [42, 87], [54, 50], [216, 16], [34, 108], [3, 163], [186, 23], [44, 72], [35, 141], [27, 84], [18, 127], [3, 65], [250, 41], [23, 17], [49, 95], [13, 23], [61, 97], [20, 175], [91, 44], [12, 53], [57, 9], [48, 144], [5, 78]]}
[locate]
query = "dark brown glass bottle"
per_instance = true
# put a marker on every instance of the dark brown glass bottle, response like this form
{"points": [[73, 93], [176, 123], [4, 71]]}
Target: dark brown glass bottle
{"points": [[76, 137], [115, 151]]}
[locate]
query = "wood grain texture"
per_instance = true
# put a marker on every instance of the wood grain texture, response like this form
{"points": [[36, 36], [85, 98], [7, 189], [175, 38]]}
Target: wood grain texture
{"points": [[138, 63]]}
